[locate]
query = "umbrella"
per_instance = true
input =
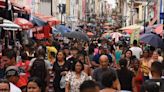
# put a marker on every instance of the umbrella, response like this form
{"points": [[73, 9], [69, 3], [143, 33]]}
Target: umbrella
{"points": [[38, 21], [8, 25], [135, 26], [106, 35], [116, 36], [63, 29], [42, 20], [55, 31], [106, 27], [90, 34], [77, 35], [153, 40], [25, 24], [155, 28], [91, 25], [129, 31]]}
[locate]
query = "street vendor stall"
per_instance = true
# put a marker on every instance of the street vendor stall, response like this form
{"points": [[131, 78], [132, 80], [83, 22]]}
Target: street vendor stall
{"points": [[7, 31]]}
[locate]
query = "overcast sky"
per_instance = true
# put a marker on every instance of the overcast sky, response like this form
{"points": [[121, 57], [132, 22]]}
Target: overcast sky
{"points": [[113, 2]]}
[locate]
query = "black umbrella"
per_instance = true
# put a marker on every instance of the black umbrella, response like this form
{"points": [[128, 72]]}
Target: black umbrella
{"points": [[77, 34], [153, 40]]}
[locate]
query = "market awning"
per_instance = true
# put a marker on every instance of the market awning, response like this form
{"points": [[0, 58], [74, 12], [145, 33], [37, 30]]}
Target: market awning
{"points": [[23, 23], [2, 4], [17, 7], [130, 29], [135, 26], [42, 20], [21, 8], [8, 25]]}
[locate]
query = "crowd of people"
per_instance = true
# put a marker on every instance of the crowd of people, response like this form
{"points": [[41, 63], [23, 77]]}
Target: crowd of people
{"points": [[99, 66]]}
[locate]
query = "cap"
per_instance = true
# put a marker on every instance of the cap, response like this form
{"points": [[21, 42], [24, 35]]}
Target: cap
{"points": [[12, 71]]}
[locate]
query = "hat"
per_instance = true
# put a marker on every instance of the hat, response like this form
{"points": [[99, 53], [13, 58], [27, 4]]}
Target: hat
{"points": [[12, 71]]}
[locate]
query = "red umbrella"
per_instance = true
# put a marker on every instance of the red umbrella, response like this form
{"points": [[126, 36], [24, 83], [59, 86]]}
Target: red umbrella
{"points": [[53, 21], [90, 34], [25, 24], [129, 31]]}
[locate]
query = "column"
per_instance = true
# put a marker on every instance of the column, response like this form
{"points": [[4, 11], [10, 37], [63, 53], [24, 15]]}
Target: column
{"points": [[140, 12]]}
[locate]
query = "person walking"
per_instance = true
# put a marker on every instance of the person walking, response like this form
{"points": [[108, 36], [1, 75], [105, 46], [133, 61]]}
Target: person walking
{"points": [[137, 51], [125, 76], [60, 69], [75, 78], [104, 66]]}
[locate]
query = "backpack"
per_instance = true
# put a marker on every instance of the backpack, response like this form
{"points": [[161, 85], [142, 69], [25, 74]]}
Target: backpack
{"points": [[154, 82], [39, 70]]}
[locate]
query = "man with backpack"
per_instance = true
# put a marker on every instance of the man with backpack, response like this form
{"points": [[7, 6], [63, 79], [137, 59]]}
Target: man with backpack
{"points": [[156, 80], [39, 67]]}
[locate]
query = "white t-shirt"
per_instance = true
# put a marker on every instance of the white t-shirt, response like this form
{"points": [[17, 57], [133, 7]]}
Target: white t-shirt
{"points": [[14, 88], [137, 51]]}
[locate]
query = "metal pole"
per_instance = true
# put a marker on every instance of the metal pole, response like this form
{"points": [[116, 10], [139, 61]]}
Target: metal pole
{"points": [[131, 12], [6, 9], [60, 11], [61, 17], [144, 19], [51, 8]]}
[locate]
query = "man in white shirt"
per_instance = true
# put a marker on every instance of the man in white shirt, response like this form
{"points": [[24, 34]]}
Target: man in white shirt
{"points": [[137, 51]]}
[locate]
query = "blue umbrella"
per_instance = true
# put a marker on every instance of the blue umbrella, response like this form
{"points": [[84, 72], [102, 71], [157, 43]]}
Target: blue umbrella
{"points": [[63, 29], [153, 40], [55, 31], [38, 21]]}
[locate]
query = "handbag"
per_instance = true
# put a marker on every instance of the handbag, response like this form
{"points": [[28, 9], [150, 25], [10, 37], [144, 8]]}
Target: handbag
{"points": [[62, 82]]}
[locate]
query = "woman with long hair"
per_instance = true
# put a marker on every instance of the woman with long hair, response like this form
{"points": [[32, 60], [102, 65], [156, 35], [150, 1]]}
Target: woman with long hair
{"points": [[60, 69], [138, 75], [75, 78], [87, 68], [35, 85], [144, 61], [125, 76], [128, 55]]}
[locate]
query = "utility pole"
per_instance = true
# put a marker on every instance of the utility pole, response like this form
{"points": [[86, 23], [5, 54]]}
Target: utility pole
{"points": [[144, 19], [131, 12], [60, 11], [51, 7], [6, 9]]}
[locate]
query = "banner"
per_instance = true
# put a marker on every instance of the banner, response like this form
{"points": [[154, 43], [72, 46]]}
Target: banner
{"points": [[135, 35]]}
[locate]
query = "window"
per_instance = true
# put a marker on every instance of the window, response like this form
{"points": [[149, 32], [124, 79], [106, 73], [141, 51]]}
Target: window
{"points": [[45, 0]]}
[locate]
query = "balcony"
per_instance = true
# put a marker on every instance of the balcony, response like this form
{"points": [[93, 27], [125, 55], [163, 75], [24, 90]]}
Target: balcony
{"points": [[144, 2]]}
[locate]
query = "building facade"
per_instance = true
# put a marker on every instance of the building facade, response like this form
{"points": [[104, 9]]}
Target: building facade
{"points": [[134, 11]]}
